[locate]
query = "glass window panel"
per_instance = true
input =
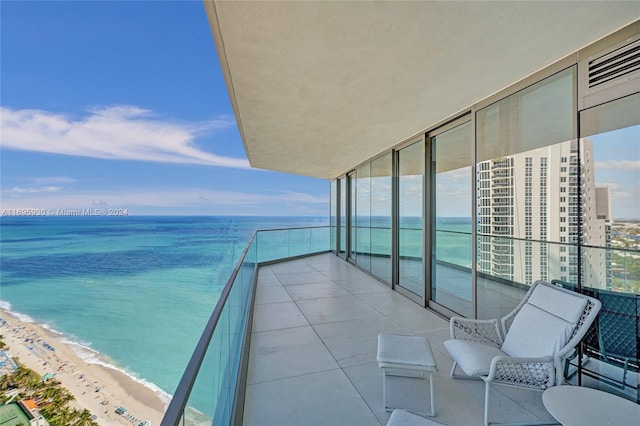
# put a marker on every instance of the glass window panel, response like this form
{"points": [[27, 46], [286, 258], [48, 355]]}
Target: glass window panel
{"points": [[527, 191], [610, 177], [381, 217], [353, 182], [528, 119], [410, 211], [451, 273], [343, 215], [333, 218], [363, 217]]}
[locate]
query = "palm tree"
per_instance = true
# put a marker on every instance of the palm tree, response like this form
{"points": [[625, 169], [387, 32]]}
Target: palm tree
{"points": [[83, 418], [21, 376], [5, 382], [61, 416], [51, 392], [61, 399]]}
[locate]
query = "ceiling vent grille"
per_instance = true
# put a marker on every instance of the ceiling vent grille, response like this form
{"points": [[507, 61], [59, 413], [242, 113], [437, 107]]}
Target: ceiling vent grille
{"points": [[613, 65], [610, 68]]}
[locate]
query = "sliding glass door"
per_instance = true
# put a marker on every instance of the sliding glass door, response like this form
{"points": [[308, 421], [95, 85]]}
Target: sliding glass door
{"points": [[410, 218], [451, 185], [610, 255]]}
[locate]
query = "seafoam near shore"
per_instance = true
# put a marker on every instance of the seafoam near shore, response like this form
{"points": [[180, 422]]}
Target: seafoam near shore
{"points": [[96, 386]]}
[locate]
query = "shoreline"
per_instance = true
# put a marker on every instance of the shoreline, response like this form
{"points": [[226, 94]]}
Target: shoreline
{"points": [[96, 387]]}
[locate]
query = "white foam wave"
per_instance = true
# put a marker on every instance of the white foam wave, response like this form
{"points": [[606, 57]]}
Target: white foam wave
{"points": [[86, 353], [51, 329], [91, 356], [21, 317]]}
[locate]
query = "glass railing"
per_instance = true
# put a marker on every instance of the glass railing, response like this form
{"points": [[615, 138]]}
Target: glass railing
{"points": [[209, 389]]}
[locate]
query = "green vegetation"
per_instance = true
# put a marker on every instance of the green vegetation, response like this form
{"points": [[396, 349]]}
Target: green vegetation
{"points": [[52, 398], [626, 263]]}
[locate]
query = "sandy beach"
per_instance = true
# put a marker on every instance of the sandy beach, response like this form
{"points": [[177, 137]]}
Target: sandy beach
{"points": [[97, 388]]}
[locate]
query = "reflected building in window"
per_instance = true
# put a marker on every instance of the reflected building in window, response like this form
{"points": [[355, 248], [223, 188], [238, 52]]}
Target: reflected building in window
{"points": [[529, 216]]}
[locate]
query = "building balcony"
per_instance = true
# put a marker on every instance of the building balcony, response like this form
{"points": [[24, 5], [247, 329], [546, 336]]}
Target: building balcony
{"points": [[503, 164], [500, 173]]}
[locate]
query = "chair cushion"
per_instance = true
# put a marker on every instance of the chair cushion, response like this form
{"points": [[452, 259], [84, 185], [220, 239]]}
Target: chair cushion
{"points": [[399, 351], [567, 306], [473, 358], [535, 333]]}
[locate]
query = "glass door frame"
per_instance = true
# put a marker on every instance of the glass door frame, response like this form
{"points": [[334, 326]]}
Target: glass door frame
{"points": [[430, 214], [395, 222], [351, 210]]}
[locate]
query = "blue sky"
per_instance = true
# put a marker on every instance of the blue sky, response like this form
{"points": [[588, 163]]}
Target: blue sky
{"points": [[123, 104]]}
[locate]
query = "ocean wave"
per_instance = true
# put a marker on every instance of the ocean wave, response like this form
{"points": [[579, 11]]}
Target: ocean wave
{"points": [[91, 356], [86, 353], [50, 329], [21, 317]]}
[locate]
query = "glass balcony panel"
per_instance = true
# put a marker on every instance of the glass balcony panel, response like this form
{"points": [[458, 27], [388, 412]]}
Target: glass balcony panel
{"points": [[211, 398]]}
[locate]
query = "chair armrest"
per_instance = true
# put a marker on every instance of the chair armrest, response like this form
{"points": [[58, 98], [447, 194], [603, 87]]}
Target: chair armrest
{"points": [[533, 373], [482, 331]]}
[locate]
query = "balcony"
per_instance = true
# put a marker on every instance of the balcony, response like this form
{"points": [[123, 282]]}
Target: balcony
{"points": [[313, 353], [294, 342]]}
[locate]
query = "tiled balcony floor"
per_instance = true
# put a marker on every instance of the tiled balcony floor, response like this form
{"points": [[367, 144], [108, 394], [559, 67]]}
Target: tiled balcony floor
{"points": [[313, 353]]}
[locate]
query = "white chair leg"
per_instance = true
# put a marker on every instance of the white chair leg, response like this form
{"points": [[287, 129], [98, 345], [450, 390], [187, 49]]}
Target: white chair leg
{"points": [[433, 408], [384, 390], [487, 388], [453, 369]]}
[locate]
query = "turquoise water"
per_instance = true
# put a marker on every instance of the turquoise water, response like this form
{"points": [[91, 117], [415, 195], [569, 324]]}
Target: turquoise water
{"points": [[132, 292]]}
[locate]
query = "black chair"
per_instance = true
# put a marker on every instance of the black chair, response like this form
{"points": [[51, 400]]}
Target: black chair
{"points": [[614, 337]]}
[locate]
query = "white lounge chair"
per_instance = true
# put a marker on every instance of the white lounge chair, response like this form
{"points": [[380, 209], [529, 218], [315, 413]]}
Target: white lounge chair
{"points": [[528, 347]]}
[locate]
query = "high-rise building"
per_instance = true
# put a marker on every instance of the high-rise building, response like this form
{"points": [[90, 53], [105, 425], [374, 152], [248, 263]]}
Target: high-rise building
{"points": [[529, 215]]}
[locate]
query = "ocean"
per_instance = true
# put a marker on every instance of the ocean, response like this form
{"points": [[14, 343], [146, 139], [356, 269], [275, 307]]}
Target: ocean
{"points": [[132, 293]]}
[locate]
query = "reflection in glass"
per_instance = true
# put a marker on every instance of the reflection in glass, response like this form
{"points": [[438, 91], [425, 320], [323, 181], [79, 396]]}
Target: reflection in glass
{"points": [[610, 176], [333, 219], [451, 274], [343, 215], [527, 191], [352, 209], [363, 217], [410, 212], [381, 217]]}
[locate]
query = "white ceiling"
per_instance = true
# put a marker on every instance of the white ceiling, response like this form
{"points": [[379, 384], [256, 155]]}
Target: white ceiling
{"points": [[319, 87]]}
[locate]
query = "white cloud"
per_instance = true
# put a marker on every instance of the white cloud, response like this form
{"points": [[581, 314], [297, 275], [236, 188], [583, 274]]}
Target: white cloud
{"points": [[52, 180], [301, 197], [618, 164], [115, 132], [34, 190], [187, 199]]}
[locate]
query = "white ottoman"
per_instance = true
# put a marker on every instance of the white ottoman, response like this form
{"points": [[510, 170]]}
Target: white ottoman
{"points": [[405, 418], [405, 354]]}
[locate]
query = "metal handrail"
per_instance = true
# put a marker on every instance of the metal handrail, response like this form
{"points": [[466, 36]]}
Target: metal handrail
{"points": [[178, 402], [293, 229]]}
